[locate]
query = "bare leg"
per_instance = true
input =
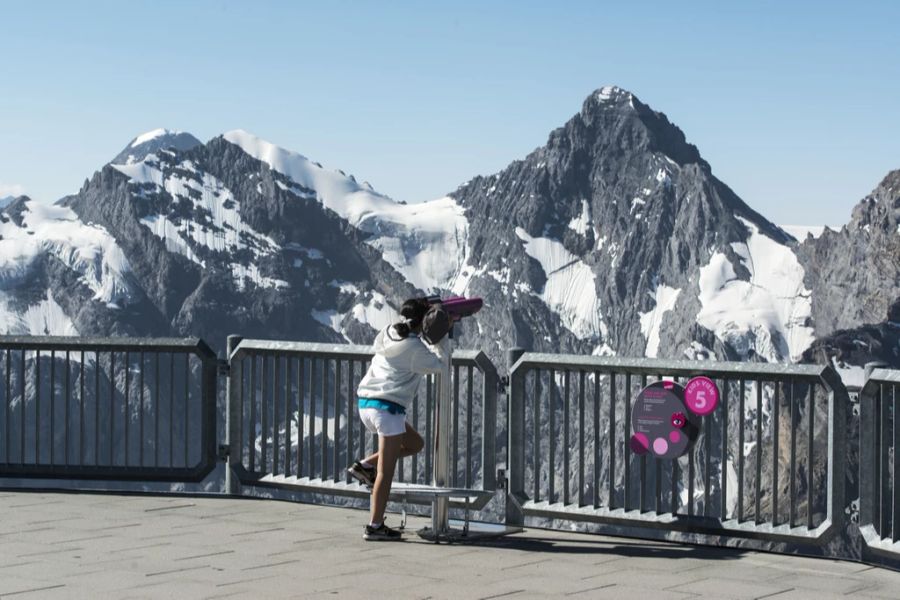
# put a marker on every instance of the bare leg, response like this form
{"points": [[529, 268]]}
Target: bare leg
{"points": [[388, 452], [412, 443]]}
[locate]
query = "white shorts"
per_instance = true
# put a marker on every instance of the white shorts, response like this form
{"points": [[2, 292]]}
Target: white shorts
{"points": [[382, 422]]}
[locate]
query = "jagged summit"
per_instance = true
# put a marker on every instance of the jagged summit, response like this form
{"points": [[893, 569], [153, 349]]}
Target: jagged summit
{"points": [[153, 141], [609, 95]]}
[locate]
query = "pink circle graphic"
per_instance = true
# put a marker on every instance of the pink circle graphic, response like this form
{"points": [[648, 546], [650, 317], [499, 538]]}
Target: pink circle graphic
{"points": [[639, 443], [701, 396], [674, 436], [660, 445]]}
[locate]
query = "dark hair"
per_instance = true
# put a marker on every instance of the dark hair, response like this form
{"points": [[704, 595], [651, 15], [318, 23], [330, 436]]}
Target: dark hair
{"points": [[413, 310]]}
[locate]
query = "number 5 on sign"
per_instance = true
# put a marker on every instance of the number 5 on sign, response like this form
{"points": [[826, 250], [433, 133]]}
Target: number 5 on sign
{"points": [[701, 395]]}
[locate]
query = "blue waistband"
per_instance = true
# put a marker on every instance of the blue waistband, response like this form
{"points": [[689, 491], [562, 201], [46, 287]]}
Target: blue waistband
{"points": [[391, 407]]}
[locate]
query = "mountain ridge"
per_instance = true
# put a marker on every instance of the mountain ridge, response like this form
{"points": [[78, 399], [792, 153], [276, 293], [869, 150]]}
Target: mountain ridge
{"points": [[613, 237]]}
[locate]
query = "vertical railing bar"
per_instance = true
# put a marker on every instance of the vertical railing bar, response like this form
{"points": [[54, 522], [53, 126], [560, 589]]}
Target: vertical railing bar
{"points": [[6, 407], [895, 517], [792, 494], [301, 364], [657, 476], [97, 408], [415, 419], [66, 411], [288, 413], [52, 404], [112, 406], [276, 414], [141, 413], [454, 433], [428, 411], [692, 471], [809, 459], [251, 430], [581, 380], [740, 478], [626, 450], [642, 489], [567, 408], [127, 394], [596, 416], [707, 466], [325, 370], [337, 422], [363, 368], [156, 411], [470, 421], [879, 460], [551, 468], [776, 416], [264, 415], [756, 507], [611, 434], [884, 510], [171, 409], [81, 410], [37, 407], [536, 433], [723, 515], [186, 407], [351, 367], [312, 417], [22, 411]]}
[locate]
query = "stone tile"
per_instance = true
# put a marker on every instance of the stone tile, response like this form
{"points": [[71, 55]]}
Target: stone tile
{"points": [[715, 587]]}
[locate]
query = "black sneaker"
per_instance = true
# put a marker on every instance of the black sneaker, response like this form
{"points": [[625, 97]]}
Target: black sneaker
{"points": [[382, 533], [364, 475]]}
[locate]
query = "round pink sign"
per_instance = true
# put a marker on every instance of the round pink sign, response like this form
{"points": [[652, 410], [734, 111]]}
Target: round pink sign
{"points": [[701, 395]]}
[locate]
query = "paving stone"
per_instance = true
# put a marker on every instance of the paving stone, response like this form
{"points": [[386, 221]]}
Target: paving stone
{"points": [[59, 545]]}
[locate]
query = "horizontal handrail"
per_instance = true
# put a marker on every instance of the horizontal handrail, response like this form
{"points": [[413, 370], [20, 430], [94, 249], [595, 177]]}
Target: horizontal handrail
{"points": [[670, 367]]}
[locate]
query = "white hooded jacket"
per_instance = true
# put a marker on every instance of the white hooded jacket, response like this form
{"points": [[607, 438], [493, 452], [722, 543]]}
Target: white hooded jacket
{"points": [[398, 366]]}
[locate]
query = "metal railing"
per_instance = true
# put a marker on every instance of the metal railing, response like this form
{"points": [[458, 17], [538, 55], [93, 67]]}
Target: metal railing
{"points": [[293, 421], [107, 409], [879, 518], [769, 464]]}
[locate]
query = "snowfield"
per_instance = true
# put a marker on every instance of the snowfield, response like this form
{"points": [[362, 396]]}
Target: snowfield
{"points": [[746, 314], [86, 249], [229, 234], [426, 242], [570, 290], [665, 298]]}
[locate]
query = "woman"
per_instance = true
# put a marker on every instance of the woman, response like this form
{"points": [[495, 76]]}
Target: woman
{"points": [[385, 392]]}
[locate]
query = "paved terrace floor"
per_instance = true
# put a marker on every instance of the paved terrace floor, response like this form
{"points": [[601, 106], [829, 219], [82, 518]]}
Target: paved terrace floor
{"points": [[57, 545]]}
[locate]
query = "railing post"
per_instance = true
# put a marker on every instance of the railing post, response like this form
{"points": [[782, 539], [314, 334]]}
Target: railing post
{"points": [[515, 447], [233, 411], [440, 516], [838, 464]]}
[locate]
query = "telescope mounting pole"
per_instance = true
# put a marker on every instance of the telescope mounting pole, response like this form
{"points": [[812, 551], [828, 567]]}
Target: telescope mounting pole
{"points": [[440, 510]]}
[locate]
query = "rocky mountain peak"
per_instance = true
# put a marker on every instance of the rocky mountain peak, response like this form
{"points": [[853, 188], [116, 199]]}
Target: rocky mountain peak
{"points": [[153, 141], [614, 113], [880, 210]]}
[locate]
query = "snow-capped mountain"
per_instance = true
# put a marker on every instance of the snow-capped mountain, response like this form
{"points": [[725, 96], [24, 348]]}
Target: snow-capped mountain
{"points": [[154, 141], [615, 237], [612, 238]]}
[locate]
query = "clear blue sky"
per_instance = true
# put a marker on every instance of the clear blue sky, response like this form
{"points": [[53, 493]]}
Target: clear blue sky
{"points": [[794, 104]]}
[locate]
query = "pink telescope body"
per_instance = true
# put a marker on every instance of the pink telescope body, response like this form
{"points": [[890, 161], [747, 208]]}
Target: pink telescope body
{"points": [[459, 306]]}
